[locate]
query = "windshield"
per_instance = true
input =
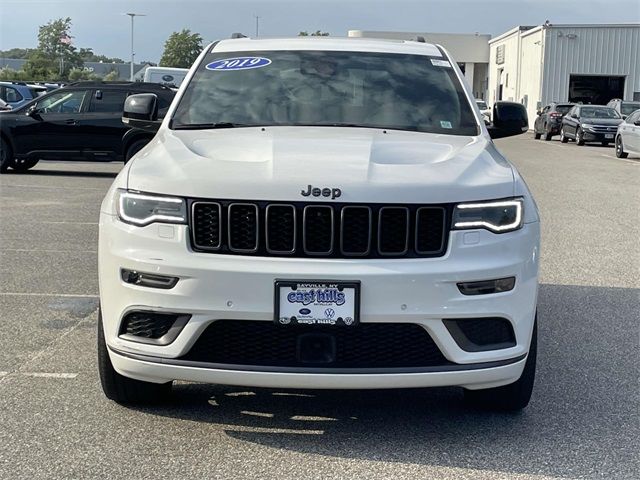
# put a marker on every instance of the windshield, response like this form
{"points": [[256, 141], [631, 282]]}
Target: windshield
{"points": [[563, 109], [481, 105], [598, 112], [326, 88], [627, 107]]}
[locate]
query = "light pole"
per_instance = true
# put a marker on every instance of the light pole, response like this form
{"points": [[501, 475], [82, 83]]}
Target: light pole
{"points": [[133, 15]]}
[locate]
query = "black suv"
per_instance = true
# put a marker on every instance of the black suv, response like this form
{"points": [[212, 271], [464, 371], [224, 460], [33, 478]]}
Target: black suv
{"points": [[590, 123], [549, 121], [82, 121]]}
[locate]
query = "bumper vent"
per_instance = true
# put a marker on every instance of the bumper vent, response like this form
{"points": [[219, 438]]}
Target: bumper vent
{"points": [[369, 345], [317, 230], [152, 327], [481, 334]]}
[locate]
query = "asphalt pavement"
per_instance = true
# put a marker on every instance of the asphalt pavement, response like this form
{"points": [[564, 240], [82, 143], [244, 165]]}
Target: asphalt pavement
{"points": [[582, 421]]}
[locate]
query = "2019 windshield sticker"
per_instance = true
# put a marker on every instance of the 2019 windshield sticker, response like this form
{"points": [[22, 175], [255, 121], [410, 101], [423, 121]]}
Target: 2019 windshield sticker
{"points": [[440, 63], [238, 63]]}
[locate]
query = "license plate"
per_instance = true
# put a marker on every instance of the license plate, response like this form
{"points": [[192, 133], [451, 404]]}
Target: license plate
{"points": [[317, 303], [608, 135]]}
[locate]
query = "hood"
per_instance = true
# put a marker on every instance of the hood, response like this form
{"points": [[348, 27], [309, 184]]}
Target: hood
{"points": [[601, 121], [278, 163]]}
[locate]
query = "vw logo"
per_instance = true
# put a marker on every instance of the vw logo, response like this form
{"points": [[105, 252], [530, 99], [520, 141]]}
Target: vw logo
{"points": [[329, 313]]}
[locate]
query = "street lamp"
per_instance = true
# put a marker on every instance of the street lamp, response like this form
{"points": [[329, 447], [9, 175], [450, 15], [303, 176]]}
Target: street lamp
{"points": [[132, 15]]}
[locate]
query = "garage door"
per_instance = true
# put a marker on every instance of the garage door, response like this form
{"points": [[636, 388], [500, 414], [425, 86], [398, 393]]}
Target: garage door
{"points": [[595, 89]]}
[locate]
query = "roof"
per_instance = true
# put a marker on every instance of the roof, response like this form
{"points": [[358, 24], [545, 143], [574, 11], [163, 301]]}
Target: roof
{"points": [[132, 85], [529, 29], [347, 44]]}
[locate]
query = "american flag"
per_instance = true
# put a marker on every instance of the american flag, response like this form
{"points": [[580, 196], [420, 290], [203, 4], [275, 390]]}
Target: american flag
{"points": [[66, 39]]}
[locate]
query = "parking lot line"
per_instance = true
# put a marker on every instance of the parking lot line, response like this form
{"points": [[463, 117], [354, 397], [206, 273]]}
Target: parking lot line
{"points": [[50, 187], [32, 294], [45, 251], [48, 375]]}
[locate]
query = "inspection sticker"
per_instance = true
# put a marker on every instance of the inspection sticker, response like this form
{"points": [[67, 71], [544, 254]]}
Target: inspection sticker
{"points": [[238, 63], [444, 124], [440, 63]]}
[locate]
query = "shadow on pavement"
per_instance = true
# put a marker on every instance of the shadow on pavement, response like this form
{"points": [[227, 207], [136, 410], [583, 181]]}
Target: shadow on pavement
{"points": [[581, 423], [63, 173]]}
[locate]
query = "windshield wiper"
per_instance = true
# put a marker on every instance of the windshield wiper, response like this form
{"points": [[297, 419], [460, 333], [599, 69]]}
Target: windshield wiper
{"points": [[203, 126]]}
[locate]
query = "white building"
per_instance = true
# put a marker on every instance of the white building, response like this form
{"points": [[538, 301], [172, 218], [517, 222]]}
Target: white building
{"points": [[471, 51], [559, 63]]}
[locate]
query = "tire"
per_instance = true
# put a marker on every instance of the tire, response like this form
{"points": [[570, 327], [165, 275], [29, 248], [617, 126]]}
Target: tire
{"points": [[6, 155], [514, 396], [134, 148], [579, 137], [536, 135], [563, 137], [620, 153], [547, 136], [24, 164], [125, 390]]}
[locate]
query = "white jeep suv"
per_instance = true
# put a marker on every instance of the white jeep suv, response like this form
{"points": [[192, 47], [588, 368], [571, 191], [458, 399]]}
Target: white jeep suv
{"points": [[325, 214]]}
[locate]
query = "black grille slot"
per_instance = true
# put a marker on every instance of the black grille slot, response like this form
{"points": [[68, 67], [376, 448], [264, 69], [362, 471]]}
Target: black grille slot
{"points": [[147, 324], [307, 229], [393, 230], [430, 226], [481, 334], [355, 231], [206, 225], [369, 345], [243, 227], [318, 230], [281, 228]]}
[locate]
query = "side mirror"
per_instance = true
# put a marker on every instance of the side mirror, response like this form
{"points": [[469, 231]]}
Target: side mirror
{"points": [[574, 115], [637, 122], [141, 111], [539, 112], [33, 111], [509, 118]]}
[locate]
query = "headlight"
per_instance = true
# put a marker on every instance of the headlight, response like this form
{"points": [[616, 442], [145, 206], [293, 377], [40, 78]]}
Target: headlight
{"points": [[498, 216], [586, 125], [143, 209]]}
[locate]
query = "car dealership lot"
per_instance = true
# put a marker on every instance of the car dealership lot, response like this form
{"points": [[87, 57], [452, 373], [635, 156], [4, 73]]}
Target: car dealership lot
{"points": [[582, 421]]}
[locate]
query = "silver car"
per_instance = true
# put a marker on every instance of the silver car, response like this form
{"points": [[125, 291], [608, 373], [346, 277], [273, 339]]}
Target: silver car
{"points": [[628, 136]]}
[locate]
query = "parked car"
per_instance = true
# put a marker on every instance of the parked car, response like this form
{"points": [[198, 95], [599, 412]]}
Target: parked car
{"points": [[590, 123], [628, 136], [4, 106], [320, 214], [17, 94], [171, 77], [549, 120], [484, 110], [623, 107], [82, 121]]}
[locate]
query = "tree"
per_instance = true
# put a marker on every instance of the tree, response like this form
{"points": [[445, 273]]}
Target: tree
{"points": [[181, 49], [87, 55], [55, 53], [19, 53], [317, 33]]}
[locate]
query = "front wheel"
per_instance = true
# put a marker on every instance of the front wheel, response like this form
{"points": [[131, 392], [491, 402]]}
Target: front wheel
{"points": [[514, 396], [563, 137], [23, 164], [125, 390], [579, 137], [548, 136], [6, 155], [620, 153], [536, 136]]}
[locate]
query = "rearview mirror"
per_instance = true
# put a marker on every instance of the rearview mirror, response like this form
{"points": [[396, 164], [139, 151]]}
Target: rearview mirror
{"points": [[509, 118], [141, 111]]}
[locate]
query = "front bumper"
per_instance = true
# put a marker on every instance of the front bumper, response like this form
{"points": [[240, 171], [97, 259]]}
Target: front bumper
{"points": [[216, 287], [590, 136]]}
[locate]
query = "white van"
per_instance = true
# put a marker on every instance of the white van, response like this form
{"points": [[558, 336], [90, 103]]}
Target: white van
{"points": [[172, 77]]}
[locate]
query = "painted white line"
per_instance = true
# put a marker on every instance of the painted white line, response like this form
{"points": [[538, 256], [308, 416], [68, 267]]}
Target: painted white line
{"points": [[2, 374], [67, 223], [51, 187], [48, 375], [39, 250], [30, 294]]}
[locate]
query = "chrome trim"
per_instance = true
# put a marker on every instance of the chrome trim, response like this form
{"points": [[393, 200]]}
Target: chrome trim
{"points": [[444, 224], [295, 228], [230, 245], [193, 226], [370, 233], [304, 230], [406, 237]]}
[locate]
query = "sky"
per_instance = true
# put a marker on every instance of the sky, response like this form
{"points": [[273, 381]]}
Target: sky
{"points": [[102, 25]]}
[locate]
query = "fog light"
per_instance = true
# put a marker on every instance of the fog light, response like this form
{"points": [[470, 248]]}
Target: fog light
{"points": [[148, 279], [485, 287]]}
